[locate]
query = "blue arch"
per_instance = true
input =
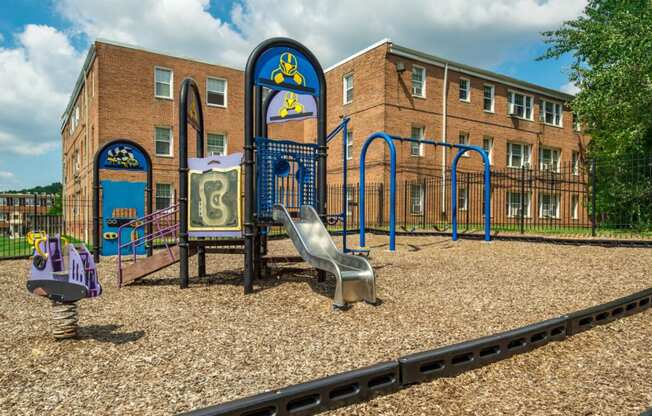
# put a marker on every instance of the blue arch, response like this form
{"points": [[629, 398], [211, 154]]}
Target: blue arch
{"points": [[392, 187], [487, 188]]}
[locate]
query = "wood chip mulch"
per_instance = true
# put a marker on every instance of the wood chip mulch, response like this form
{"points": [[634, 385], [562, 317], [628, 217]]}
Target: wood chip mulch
{"points": [[152, 348]]}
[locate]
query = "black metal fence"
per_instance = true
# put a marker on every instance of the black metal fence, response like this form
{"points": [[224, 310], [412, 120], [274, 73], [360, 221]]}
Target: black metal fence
{"points": [[608, 199], [599, 198]]}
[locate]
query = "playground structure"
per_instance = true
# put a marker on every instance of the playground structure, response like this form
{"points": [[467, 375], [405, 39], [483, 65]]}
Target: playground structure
{"points": [[64, 283], [389, 140], [283, 179]]}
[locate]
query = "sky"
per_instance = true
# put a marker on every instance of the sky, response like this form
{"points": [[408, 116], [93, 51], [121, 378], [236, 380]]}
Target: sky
{"points": [[43, 45]]}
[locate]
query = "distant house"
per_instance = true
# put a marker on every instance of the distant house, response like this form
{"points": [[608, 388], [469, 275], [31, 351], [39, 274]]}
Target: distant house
{"points": [[21, 213]]}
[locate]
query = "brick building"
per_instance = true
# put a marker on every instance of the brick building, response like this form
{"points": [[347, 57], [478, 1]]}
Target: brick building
{"points": [[128, 92], [21, 213]]}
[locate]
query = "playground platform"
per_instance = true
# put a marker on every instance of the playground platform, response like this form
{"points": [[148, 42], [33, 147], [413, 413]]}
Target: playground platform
{"points": [[151, 348]]}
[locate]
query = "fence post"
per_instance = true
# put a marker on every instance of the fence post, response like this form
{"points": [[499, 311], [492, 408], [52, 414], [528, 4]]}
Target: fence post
{"points": [[381, 205], [593, 199], [522, 216]]}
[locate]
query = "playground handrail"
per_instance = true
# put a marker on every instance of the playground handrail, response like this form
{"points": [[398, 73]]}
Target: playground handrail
{"points": [[154, 219]]}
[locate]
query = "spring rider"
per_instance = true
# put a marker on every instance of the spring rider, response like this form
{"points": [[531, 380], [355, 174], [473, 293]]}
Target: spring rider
{"points": [[63, 286]]}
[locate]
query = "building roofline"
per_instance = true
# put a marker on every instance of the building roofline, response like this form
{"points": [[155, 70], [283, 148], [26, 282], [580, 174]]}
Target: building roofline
{"points": [[466, 69], [91, 55], [478, 72], [360, 52], [158, 52]]}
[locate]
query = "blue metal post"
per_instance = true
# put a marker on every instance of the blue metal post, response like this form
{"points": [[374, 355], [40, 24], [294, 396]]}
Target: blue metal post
{"points": [[345, 189], [487, 188], [392, 188]]}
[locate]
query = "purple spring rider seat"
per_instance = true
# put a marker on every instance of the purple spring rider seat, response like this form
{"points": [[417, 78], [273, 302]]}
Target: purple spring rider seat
{"points": [[51, 279]]}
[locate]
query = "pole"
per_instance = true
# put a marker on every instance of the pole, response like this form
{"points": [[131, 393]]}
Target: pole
{"points": [[522, 216], [345, 188], [593, 199]]}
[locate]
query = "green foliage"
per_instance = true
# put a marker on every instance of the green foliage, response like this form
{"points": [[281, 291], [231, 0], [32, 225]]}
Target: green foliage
{"points": [[612, 49], [53, 188], [57, 206]]}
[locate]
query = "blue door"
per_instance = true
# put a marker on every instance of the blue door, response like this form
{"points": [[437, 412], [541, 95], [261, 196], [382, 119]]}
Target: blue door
{"points": [[121, 203]]}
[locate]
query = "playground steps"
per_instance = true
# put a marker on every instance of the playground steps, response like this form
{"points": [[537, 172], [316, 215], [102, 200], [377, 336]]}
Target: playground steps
{"points": [[143, 267]]}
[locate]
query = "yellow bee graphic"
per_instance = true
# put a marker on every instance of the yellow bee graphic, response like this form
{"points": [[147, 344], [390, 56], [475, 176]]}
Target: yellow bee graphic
{"points": [[288, 66], [290, 102]]}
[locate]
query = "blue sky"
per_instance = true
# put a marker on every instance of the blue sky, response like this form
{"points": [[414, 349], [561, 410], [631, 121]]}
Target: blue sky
{"points": [[43, 43]]}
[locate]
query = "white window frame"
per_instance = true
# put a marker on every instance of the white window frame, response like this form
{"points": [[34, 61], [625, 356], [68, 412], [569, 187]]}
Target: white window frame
{"points": [[467, 141], [463, 194], [511, 98], [490, 153], [162, 68], [510, 206], [575, 162], [575, 207], [171, 154], [349, 144], [543, 112], [423, 81], [226, 90], [577, 123], [493, 98], [156, 196], [418, 186], [526, 158], [467, 89], [226, 144], [417, 146], [345, 89], [556, 165], [557, 200]]}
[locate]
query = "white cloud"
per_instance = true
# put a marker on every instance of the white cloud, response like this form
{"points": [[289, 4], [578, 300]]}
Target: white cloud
{"points": [[36, 79], [38, 74], [5, 174], [570, 88], [482, 34]]}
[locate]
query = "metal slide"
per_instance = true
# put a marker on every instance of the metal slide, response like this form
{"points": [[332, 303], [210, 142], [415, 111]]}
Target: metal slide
{"points": [[354, 275]]}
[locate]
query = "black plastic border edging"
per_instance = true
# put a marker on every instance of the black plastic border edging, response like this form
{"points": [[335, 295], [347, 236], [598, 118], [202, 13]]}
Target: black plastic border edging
{"points": [[314, 396], [361, 385]]}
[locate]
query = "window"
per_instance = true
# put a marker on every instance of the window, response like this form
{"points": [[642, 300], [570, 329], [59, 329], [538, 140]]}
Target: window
{"points": [[3, 216], [575, 205], [163, 83], [551, 113], [163, 141], [548, 206], [418, 81], [488, 146], [462, 199], [216, 92], [576, 163], [3, 201], [464, 139], [349, 144], [520, 105], [163, 195], [416, 198], [347, 85], [518, 155], [416, 149], [549, 159], [517, 205], [465, 90], [577, 124], [216, 144], [489, 93], [350, 200]]}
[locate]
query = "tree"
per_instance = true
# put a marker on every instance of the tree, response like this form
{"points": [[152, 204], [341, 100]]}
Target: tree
{"points": [[612, 48], [611, 44]]}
